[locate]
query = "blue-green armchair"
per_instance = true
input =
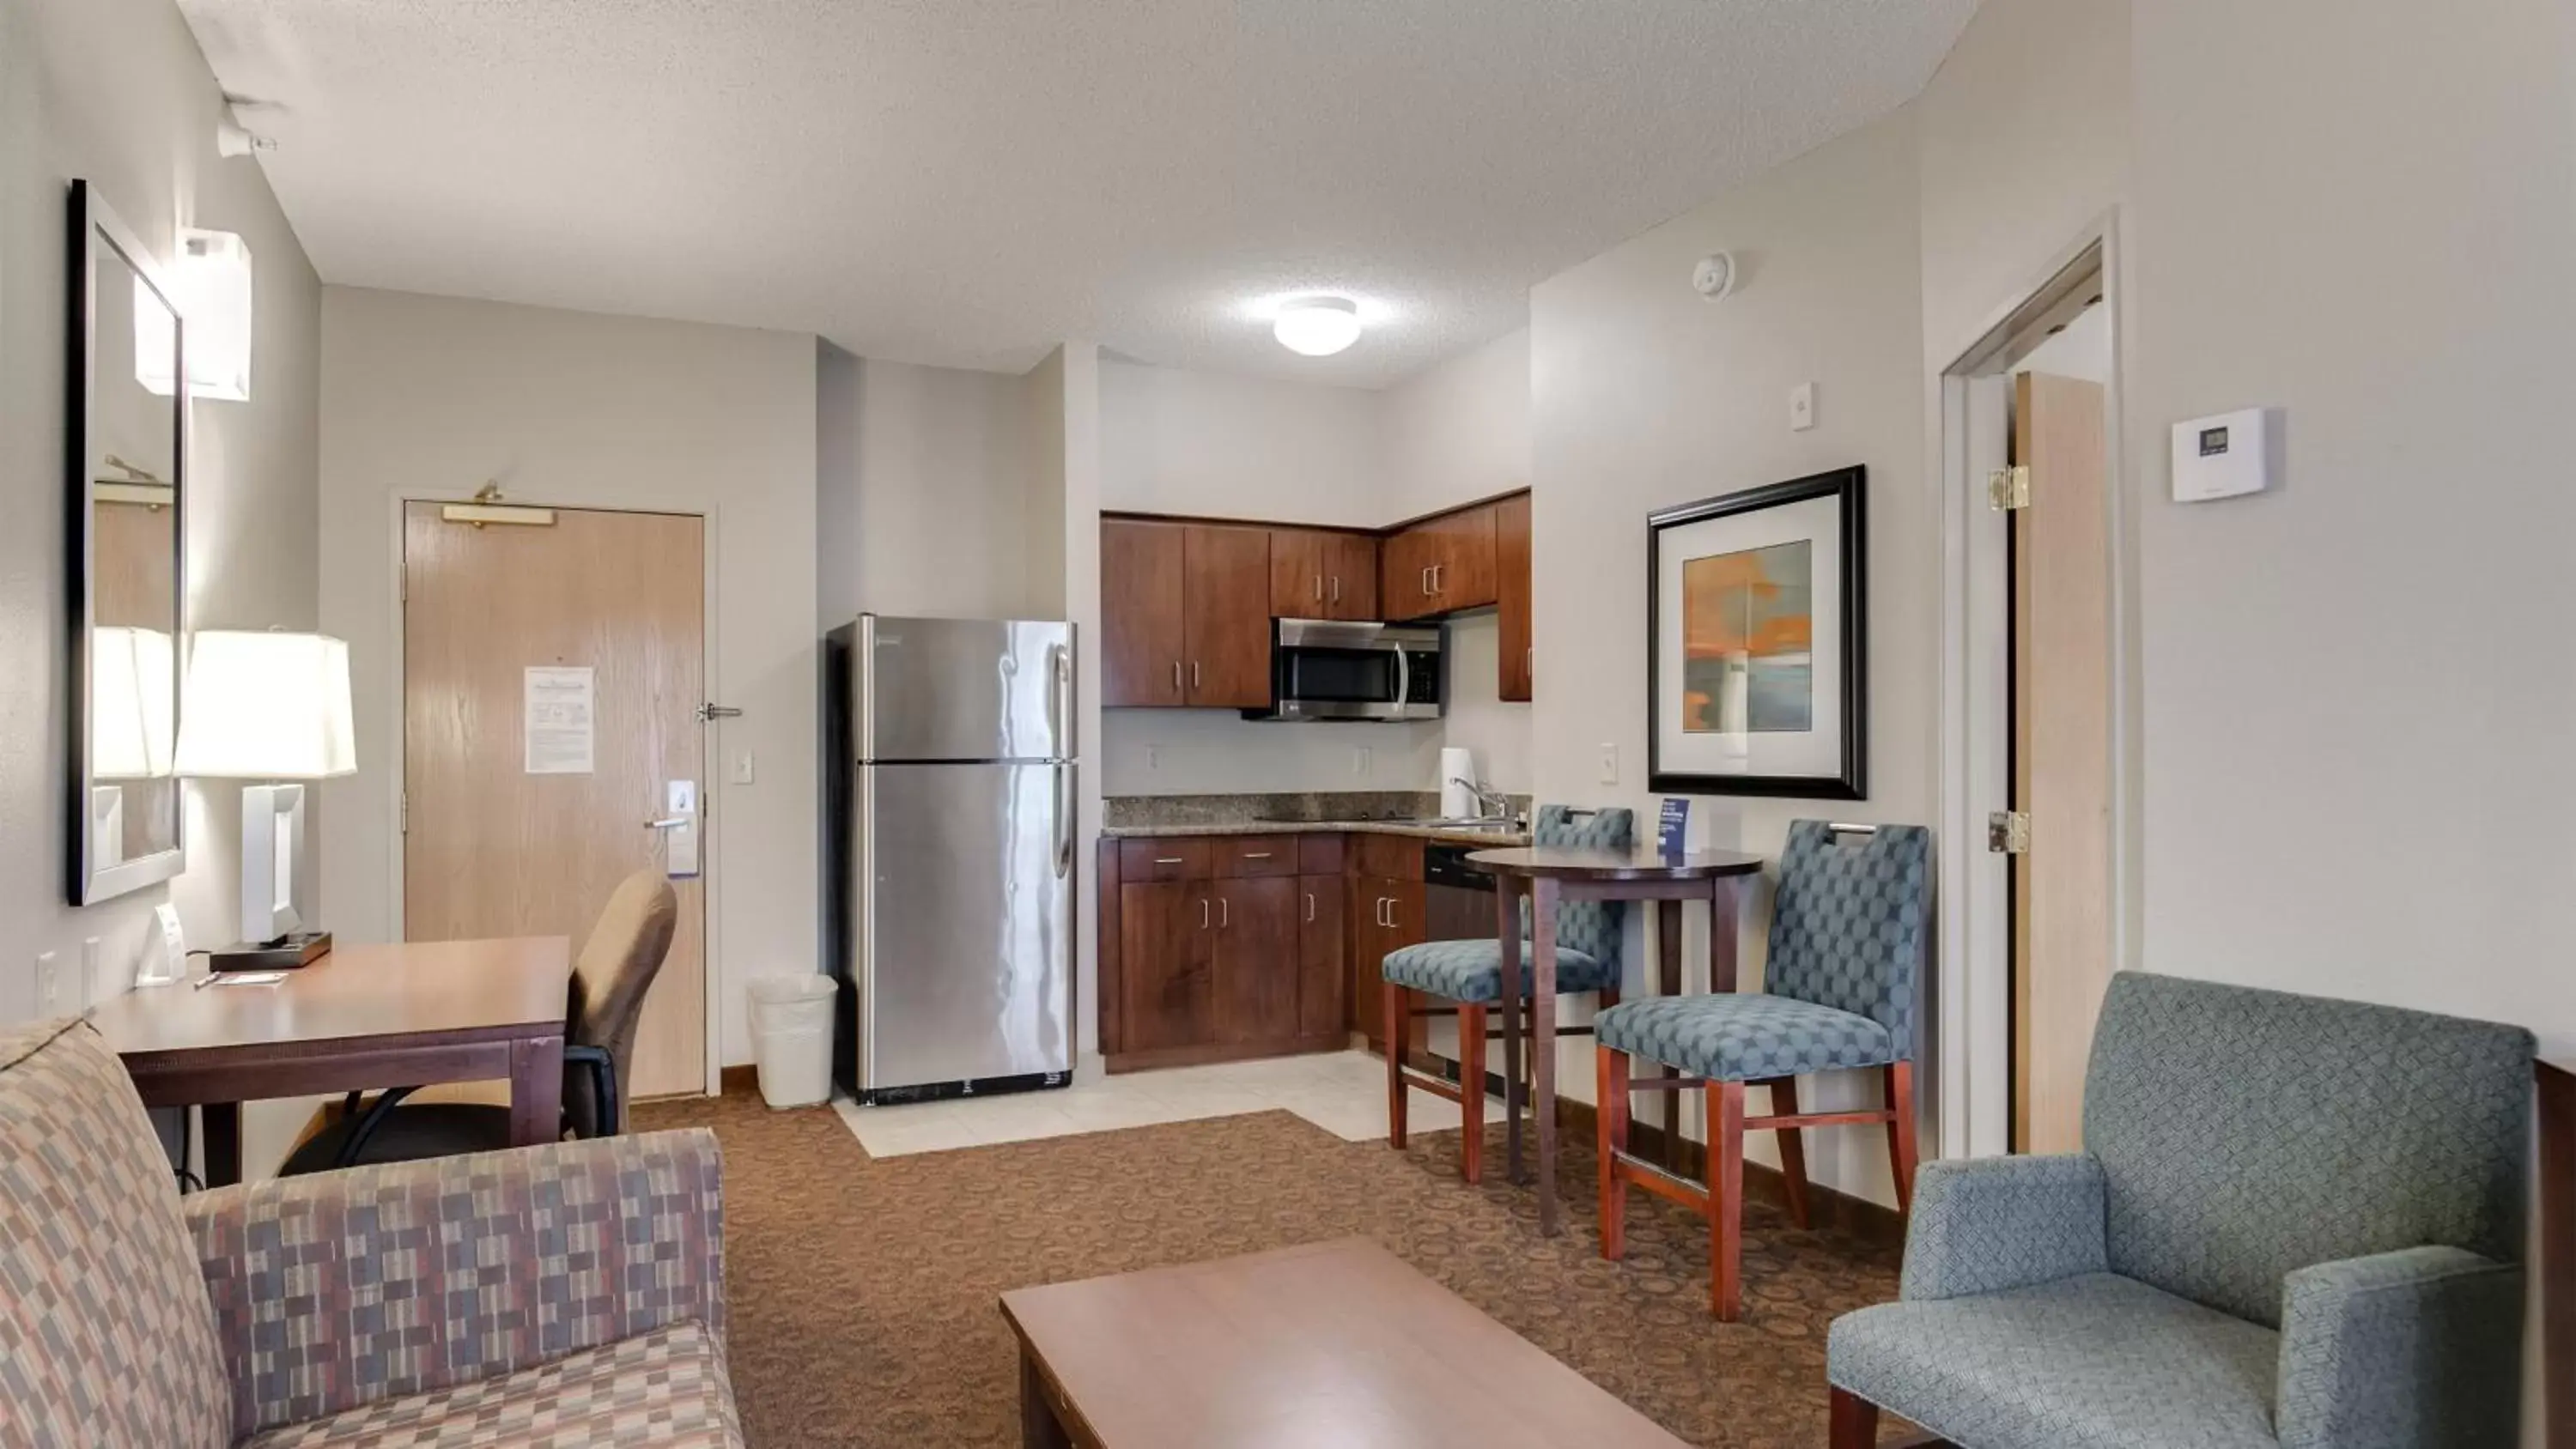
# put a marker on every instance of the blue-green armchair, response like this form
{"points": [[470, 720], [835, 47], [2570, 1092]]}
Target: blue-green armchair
{"points": [[2298, 1222]]}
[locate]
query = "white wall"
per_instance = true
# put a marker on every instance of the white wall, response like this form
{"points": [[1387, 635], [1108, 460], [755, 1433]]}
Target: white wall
{"points": [[1459, 431], [1643, 395], [1197, 442], [925, 494], [428, 397], [1201, 444], [115, 91]]}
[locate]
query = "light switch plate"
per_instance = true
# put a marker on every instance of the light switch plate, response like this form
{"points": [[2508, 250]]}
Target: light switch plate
{"points": [[745, 769], [1360, 759], [1802, 407], [49, 985], [1609, 764]]}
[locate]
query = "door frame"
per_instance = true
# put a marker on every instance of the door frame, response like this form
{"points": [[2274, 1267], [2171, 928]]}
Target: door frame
{"points": [[1973, 1005], [711, 818]]}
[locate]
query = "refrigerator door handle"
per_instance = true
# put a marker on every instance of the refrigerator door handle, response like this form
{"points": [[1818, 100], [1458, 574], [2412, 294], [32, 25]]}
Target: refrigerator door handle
{"points": [[1063, 822], [1059, 702]]}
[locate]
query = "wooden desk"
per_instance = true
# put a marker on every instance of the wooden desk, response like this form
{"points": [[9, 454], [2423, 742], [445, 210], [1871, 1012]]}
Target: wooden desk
{"points": [[1330, 1343], [1551, 875], [360, 1018]]}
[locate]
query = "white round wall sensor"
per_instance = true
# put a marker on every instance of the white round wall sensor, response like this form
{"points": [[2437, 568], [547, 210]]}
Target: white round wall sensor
{"points": [[1714, 277]]}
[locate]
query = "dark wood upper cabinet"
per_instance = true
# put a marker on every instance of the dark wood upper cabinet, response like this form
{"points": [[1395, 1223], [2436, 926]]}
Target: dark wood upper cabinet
{"points": [[1440, 565], [1321, 573], [1226, 616], [1517, 660], [1351, 580], [1142, 636]]}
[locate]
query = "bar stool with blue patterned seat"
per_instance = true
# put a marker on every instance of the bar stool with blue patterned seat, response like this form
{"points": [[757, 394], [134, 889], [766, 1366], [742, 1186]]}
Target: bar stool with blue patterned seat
{"points": [[1470, 973], [1848, 925]]}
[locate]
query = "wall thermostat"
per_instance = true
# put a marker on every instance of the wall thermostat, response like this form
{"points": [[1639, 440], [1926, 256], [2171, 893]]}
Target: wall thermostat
{"points": [[2224, 456], [1714, 277]]}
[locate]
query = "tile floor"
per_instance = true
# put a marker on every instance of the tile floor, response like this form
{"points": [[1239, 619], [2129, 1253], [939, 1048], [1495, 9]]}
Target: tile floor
{"points": [[1342, 1092]]}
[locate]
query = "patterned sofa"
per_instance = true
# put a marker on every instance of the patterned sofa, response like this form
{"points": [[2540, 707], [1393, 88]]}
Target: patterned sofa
{"points": [[564, 1295]]}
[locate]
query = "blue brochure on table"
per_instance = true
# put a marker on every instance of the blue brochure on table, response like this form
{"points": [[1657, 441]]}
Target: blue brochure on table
{"points": [[1674, 836]]}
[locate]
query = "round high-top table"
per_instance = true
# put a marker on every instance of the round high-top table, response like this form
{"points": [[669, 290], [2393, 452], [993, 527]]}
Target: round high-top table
{"points": [[1550, 876]]}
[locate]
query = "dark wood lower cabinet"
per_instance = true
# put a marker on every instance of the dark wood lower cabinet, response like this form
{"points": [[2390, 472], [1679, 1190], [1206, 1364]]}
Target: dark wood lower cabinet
{"points": [[1214, 950], [1323, 944], [1256, 959], [1167, 945], [1386, 915]]}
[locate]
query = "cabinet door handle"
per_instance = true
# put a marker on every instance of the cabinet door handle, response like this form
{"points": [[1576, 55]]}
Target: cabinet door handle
{"points": [[1310, 905], [1224, 913], [1337, 588], [1167, 860], [1319, 588], [1176, 676], [1436, 571], [1256, 855], [1203, 913], [1194, 674], [1385, 906]]}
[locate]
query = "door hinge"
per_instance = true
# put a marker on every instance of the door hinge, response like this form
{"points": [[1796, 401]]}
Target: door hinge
{"points": [[2008, 488], [2008, 832], [708, 712]]}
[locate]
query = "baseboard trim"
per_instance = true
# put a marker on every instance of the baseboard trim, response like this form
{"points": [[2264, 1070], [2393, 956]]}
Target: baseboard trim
{"points": [[1827, 1209]]}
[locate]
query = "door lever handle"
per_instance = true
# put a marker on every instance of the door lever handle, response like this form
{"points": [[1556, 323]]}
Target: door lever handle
{"points": [[673, 822]]}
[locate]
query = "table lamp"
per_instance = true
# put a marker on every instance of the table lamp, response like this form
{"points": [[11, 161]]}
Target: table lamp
{"points": [[269, 707]]}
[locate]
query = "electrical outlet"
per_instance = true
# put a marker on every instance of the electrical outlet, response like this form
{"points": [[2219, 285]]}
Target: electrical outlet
{"points": [[1609, 764], [1360, 758], [1153, 757], [93, 986], [1802, 407], [48, 985]]}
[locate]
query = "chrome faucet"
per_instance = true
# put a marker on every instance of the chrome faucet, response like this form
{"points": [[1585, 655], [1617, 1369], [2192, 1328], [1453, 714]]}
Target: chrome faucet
{"points": [[1490, 804]]}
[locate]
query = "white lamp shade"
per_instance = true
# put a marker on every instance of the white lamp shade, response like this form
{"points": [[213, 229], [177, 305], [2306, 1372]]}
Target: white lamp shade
{"points": [[266, 707], [131, 673]]}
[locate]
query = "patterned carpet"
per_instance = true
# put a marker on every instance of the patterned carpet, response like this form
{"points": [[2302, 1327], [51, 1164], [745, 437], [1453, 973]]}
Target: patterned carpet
{"points": [[863, 1292]]}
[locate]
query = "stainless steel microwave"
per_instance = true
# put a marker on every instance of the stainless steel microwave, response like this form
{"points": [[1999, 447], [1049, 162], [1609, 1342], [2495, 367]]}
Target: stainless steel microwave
{"points": [[1324, 669]]}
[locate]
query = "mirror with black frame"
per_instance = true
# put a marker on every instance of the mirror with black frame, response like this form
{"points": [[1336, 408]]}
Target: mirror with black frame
{"points": [[126, 453]]}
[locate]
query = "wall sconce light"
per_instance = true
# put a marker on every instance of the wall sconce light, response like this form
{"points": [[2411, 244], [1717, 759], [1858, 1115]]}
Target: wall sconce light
{"points": [[213, 280]]}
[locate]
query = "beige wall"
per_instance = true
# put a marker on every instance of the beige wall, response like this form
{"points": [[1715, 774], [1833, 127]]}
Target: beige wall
{"points": [[1644, 395], [115, 91], [1459, 431], [927, 497], [427, 397]]}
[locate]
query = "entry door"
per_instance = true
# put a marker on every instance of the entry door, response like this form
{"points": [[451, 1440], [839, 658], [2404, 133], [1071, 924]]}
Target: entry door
{"points": [[501, 840], [2061, 753]]}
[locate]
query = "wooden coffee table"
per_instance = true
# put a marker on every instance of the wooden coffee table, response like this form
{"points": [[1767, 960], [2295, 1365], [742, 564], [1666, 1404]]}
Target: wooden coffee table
{"points": [[1330, 1344]]}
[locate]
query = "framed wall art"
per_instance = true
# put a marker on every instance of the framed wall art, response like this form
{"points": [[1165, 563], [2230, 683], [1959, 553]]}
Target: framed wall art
{"points": [[1757, 681]]}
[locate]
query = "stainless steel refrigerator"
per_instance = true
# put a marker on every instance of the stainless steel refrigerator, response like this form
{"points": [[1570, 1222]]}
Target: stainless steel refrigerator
{"points": [[949, 825]]}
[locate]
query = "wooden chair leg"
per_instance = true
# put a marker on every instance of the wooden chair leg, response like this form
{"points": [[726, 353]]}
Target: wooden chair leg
{"points": [[1471, 1091], [1793, 1147], [1726, 1199], [1610, 1118], [1855, 1421], [1900, 1132], [1399, 1012]]}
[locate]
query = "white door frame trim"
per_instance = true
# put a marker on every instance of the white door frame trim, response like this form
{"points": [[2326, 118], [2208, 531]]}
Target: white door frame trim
{"points": [[1973, 1002], [710, 782]]}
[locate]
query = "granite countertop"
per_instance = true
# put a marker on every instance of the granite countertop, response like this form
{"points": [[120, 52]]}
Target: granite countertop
{"points": [[1498, 839], [1363, 812]]}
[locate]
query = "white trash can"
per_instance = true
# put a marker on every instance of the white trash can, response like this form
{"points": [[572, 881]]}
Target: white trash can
{"points": [[791, 1038]]}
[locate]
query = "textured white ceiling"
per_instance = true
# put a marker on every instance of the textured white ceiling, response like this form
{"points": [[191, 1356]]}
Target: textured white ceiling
{"points": [[967, 182]]}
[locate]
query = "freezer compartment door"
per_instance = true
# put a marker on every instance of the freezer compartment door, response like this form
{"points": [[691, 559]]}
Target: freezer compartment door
{"points": [[963, 689], [965, 931]]}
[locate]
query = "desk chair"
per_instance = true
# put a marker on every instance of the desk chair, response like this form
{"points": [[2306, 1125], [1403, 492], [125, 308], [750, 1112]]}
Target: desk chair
{"points": [[609, 979]]}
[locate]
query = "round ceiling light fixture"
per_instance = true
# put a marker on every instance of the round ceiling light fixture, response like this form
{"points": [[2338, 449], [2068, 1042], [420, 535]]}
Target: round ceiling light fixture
{"points": [[1317, 326]]}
